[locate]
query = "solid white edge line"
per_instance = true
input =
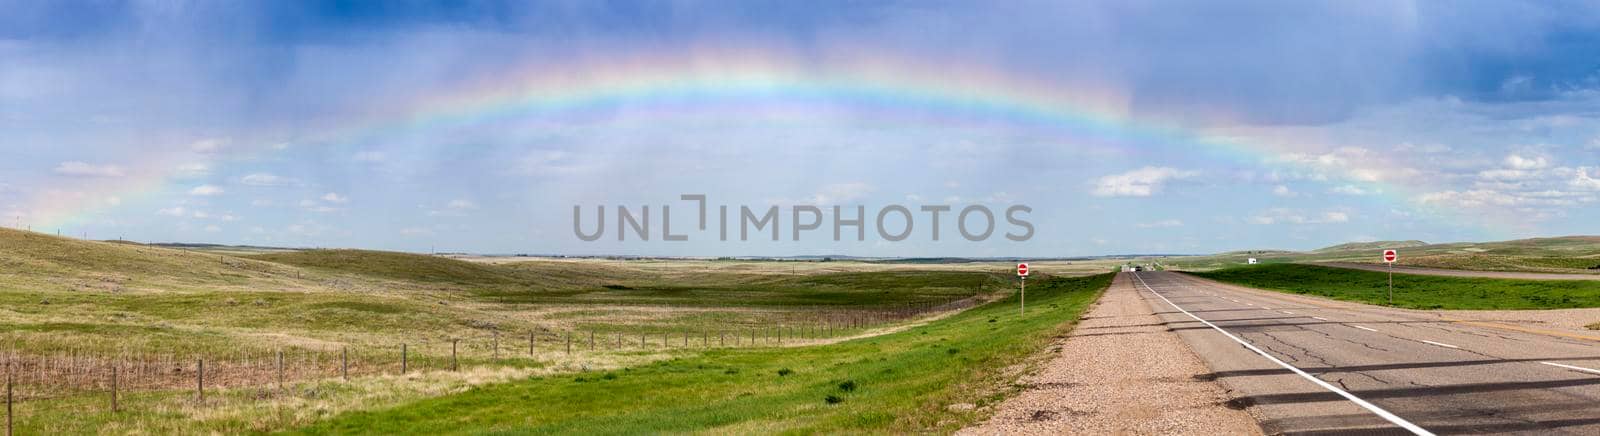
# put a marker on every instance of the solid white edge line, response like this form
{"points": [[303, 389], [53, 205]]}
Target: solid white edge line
{"points": [[1392, 418], [1574, 368], [1438, 343], [1285, 312], [1318, 318], [1365, 328]]}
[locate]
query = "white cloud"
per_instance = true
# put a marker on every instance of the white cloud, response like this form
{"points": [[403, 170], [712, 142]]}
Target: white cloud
{"points": [[81, 169], [1526, 163], [208, 145], [193, 169], [416, 231], [205, 190], [1284, 191], [1159, 224], [213, 228], [267, 179], [1348, 190], [114, 201], [1473, 198], [1582, 180], [201, 214], [1291, 216], [334, 197], [462, 204], [172, 211], [835, 194], [370, 156], [1142, 182], [262, 202]]}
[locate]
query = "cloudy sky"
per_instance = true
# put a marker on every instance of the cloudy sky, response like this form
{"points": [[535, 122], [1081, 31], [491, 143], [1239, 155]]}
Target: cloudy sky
{"points": [[1168, 127]]}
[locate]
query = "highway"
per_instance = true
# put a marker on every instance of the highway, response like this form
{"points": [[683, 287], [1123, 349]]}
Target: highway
{"points": [[1381, 370]]}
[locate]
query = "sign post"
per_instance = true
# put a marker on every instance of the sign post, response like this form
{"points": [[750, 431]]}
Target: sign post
{"points": [[1389, 256], [1022, 297]]}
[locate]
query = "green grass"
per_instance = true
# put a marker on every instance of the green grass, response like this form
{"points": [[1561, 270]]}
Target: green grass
{"points": [[896, 383], [1414, 291]]}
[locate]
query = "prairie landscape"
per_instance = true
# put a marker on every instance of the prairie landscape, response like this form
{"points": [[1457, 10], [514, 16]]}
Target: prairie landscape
{"points": [[291, 338]]}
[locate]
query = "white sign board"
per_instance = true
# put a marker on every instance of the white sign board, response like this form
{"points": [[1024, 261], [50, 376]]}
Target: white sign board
{"points": [[1389, 256], [1022, 270], [1252, 261]]}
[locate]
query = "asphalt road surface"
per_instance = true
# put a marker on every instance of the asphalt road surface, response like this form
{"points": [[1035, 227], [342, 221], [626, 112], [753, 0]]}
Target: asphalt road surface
{"points": [[1369, 369]]}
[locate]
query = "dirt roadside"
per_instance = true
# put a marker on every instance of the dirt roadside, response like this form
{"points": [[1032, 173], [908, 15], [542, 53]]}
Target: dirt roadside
{"points": [[1119, 372]]}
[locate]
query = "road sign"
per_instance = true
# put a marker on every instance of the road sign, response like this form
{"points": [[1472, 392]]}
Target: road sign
{"points": [[1389, 256], [1022, 293]]}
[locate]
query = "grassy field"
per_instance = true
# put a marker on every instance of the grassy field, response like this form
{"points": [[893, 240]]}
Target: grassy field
{"points": [[1570, 254], [73, 310], [1413, 291], [896, 383]]}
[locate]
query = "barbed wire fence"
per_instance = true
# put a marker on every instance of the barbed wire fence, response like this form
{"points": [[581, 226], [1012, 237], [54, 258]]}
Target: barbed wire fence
{"points": [[86, 381]]}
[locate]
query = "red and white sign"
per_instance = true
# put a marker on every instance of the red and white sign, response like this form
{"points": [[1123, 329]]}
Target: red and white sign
{"points": [[1390, 256], [1022, 270]]}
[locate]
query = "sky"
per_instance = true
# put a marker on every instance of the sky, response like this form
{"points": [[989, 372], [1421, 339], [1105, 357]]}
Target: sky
{"points": [[478, 126]]}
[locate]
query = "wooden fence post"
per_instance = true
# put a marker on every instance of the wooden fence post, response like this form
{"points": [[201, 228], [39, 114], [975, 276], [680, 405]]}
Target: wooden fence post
{"points": [[200, 379], [569, 343], [113, 388], [496, 345], [344, 363], [530, 342], [8, 398], [280, 371], [403, 362], [591, 340], [453, 365]]}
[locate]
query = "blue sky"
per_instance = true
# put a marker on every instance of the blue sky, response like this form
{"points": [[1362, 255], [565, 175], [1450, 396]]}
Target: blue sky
{"points": [[253, 122]]}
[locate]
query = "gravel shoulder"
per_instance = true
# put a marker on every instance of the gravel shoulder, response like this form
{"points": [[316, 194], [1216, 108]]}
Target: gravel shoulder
{"points": [[1119, 372], [1463, 273]]}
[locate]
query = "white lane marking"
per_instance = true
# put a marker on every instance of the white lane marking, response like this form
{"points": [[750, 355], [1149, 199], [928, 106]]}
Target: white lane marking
{"points": [[1413, 428], [1438, 343], [1318, 318], [1364, 328], [1285, 312], [1574, 368]]}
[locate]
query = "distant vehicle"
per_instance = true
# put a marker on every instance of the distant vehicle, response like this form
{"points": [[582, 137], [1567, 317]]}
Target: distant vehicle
{"points": [[1252, 261]]}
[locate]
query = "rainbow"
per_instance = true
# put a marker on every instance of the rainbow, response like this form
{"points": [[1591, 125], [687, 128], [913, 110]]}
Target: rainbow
{"points": [[730, 75]]}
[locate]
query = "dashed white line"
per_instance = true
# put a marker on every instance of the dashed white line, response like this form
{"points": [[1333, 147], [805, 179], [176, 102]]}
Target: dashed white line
{"points": [[1438, 343], [1392, 418], [1574, 368], [1364, 328], [1285, 312], [1318, 318]]}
